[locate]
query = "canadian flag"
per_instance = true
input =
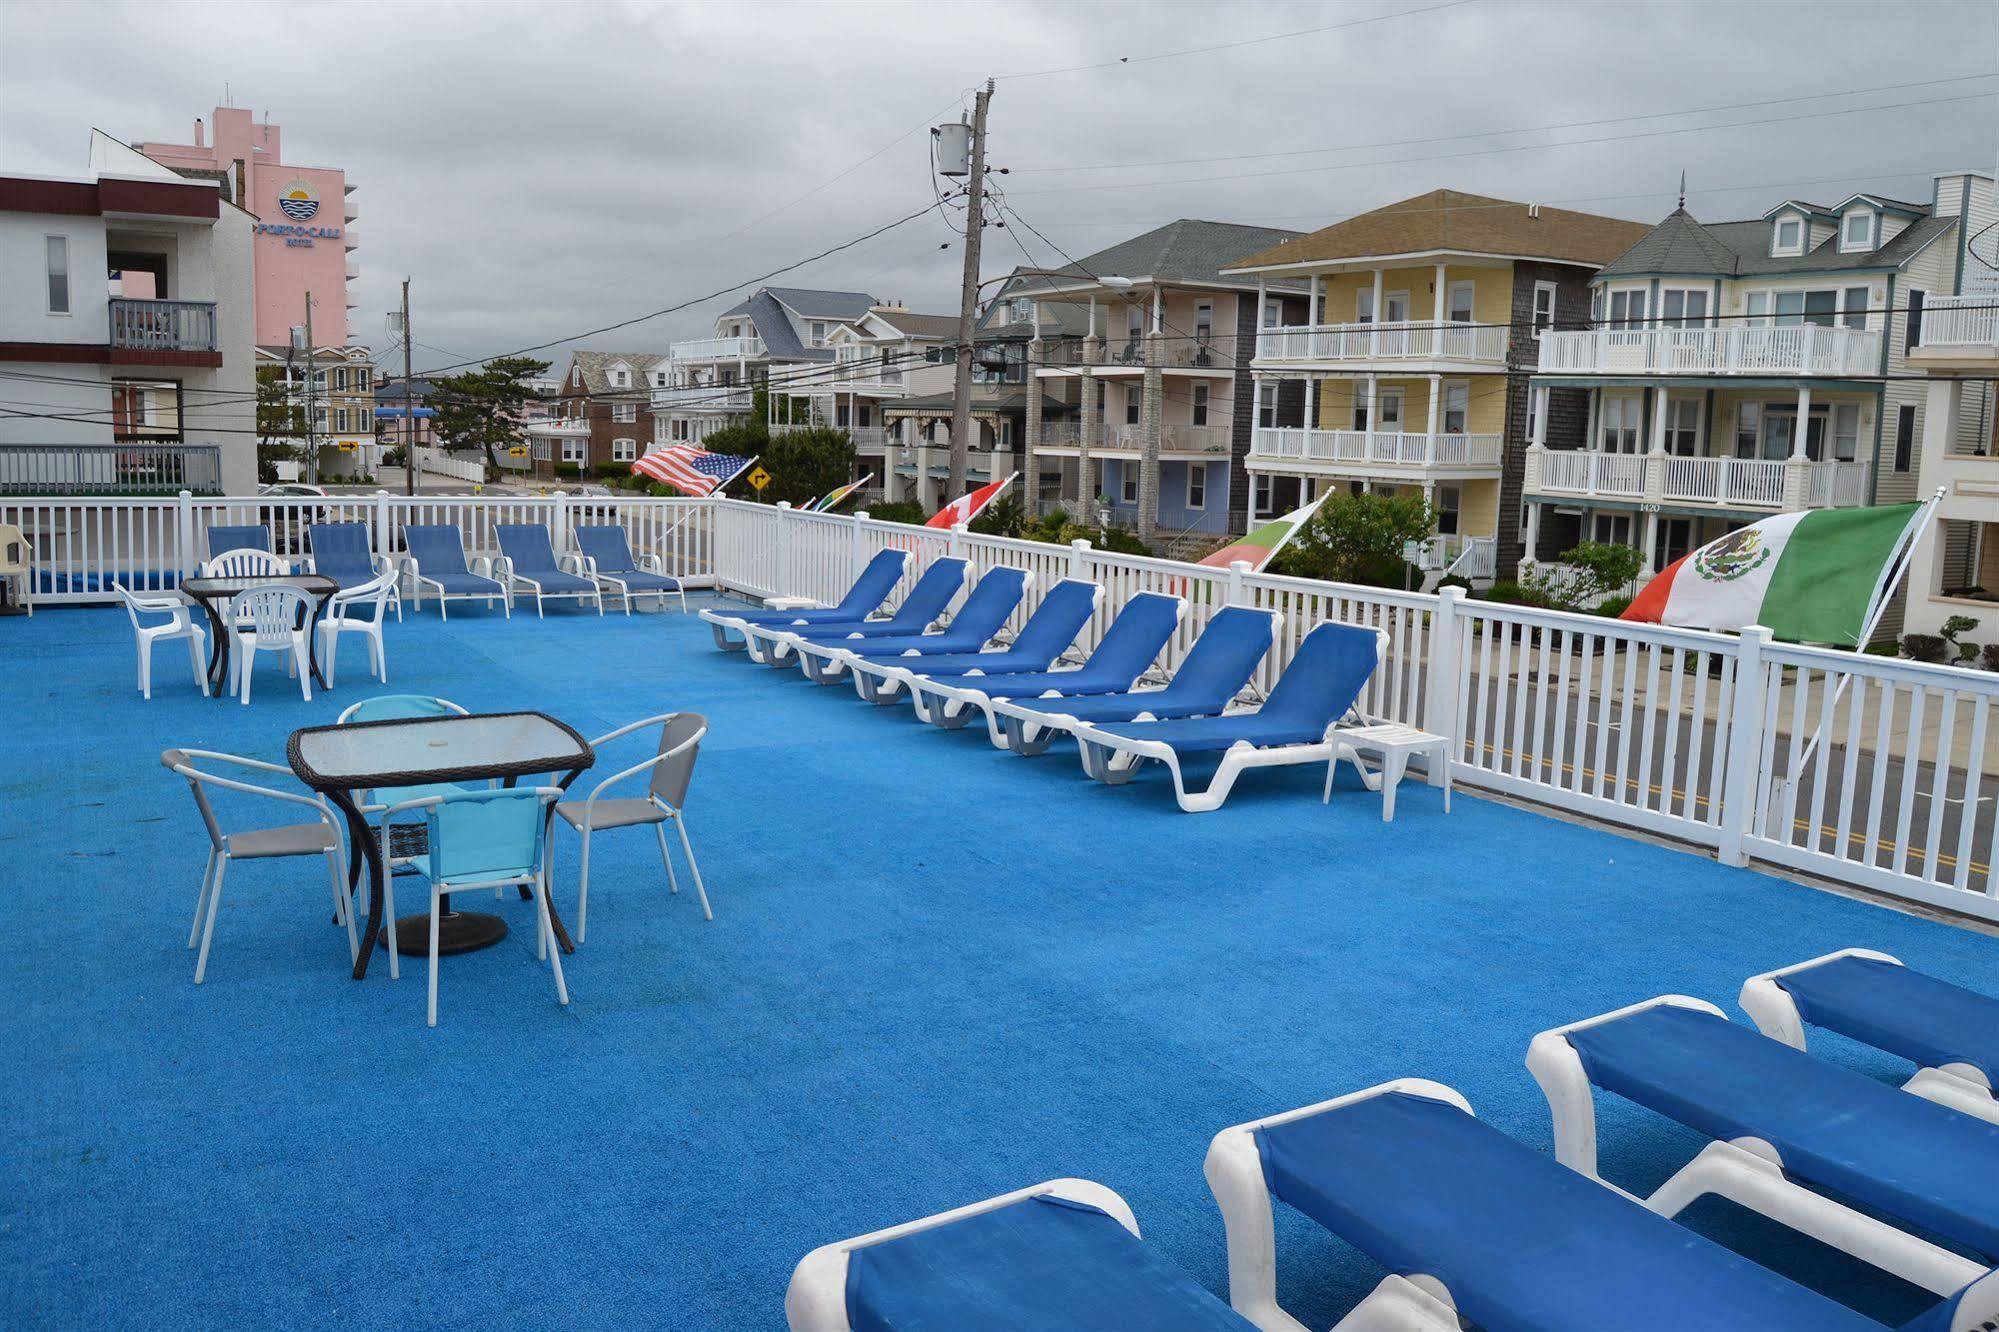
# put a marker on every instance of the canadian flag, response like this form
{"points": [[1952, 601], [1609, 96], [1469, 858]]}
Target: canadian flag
{"points": [[966, 507]]}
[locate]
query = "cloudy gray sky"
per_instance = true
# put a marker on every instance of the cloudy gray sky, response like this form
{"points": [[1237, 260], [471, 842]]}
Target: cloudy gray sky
{"points": [[543, 169]]}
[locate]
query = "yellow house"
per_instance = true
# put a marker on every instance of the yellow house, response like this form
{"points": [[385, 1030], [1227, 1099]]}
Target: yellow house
{"points": [[1404, 365]]}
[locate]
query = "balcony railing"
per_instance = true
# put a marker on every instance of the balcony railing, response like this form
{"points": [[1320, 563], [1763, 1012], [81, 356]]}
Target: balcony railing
{"points": [[560, 426], [864, 375], [1395, 448], [1397, 341], [140, 325], [872, 438], [1120, 438], [1798, 349], [103, 469], [1751, 483], [1588, 472], [1971, 320], [1836, 485], [716, 349], [715, 398]]}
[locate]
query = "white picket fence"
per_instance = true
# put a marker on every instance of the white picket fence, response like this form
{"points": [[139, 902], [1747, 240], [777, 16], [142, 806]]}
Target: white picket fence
{"points": [[437, 462], [1689, 735]]}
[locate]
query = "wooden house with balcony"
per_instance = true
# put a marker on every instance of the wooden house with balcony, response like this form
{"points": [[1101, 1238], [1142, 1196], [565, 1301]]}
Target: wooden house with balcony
{"points": [[1731, 370], [881, 359], [1401, 361], [779, 339]]}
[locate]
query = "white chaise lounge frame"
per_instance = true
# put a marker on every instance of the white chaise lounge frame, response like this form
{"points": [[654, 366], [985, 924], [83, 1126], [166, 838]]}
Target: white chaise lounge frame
{"points": [[1960, 1086], [1746, 1171]]}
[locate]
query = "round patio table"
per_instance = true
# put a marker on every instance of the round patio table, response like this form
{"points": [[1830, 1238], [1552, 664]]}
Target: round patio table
{"points": [[213, 596], [339, 761]]}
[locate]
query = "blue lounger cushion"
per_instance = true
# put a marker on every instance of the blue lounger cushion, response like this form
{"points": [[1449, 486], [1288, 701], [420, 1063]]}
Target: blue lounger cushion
{"points": [[342, 552], [1214, 672], [440, 555], [1131, 644], [1053, 626], [253, 536], [983, 615], [867, 594], [1927, 1021], [607, 546], [1043, 1263], [933, 593], [1523, 1244], [532, 551], [1898, 1154]]}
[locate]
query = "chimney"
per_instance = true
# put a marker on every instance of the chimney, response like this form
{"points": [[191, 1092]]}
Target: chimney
{"points": [[199, 142], [1534, 210]]}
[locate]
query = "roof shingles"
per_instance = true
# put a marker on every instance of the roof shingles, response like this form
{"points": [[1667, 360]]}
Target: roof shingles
{"points": [[1447, 220]]}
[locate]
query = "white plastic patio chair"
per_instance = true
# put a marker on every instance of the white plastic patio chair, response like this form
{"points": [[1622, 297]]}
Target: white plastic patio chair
{"points": [[17, 565], [348, 612], [270, 619], [179, 624], [669, 771], [245, 562], [320, 837], [494, 838]]}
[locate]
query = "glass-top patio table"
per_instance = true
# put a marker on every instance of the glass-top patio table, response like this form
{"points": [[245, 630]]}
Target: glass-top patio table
{"points": [[339, 761], [213, 595]]}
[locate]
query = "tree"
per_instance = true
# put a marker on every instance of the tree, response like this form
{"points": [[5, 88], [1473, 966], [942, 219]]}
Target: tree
{"points": [[280, 421], [805, 464], [1586, 575], [482, 409], [1358, 539]]}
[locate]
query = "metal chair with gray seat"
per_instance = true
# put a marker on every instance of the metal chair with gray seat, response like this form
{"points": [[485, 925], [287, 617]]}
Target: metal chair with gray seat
{"points": [[668, 774]]}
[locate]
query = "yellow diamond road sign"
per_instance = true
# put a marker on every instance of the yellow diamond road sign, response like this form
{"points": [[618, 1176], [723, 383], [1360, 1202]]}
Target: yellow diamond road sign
{"points": [[759, 478]]}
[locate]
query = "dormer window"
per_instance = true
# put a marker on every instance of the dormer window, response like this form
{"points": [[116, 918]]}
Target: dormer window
{"points": [[818, 333], [621, 379], [1789, 236], [1856, 231]]}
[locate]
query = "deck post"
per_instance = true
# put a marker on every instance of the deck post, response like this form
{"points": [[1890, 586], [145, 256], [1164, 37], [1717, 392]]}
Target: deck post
{"points": [[184, 534], [384, 526], [1745, 747], [1079, 559], [957, 540], [558, 522], [1440, 686], [860, 559], [1238, 570], [780, 574]]}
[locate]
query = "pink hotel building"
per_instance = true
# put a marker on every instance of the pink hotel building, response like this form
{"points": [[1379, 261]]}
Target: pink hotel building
{"points": [[304, 232]]}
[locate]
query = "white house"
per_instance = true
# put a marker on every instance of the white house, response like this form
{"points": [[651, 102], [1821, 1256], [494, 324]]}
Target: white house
{"points": [[779, 337]]}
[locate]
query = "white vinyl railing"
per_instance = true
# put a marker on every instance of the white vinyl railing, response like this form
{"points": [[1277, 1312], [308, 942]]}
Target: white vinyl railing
{"points": [[1869, 771], [1401, 340], [439, 463], [1589, 472], [1736, 349], [1971, 320], [1410, 448], [716, 349]]}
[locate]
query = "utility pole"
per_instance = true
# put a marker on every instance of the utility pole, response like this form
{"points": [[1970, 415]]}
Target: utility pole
{"points": [[409, 416], [968, 299], [311, 364]]}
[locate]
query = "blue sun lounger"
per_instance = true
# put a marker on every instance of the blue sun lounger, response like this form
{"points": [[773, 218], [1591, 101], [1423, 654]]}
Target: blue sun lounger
{"points": [[1949, 1033], [881, 577], [1472, 1223], [1785, 1131], [1214, 671], [1064, 1256], [881, 677], [932, 595], [824, 653], [434, 556], [343, 552], [252, 536], [527, 559], [604, 555], [1132, 643], [1316, 693]]}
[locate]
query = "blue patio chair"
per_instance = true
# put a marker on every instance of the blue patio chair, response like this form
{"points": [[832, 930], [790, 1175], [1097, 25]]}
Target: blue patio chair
{"points": [[926, 603], [527, 557], [483, 839], [1949, 1033], [1215, 670], [605, 554], [253, 536], [1131, 644], [1472, 1225], [405, 841], [1823, 1130], [345, 553], [822, 655], [877, 582], [881, 677], [435, 556], [1317, 692], [1063, 1256]]}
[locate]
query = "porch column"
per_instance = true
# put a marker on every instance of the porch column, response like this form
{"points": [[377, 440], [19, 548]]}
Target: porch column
{"points": [[1151, 406], [1533, 538], [1649, 549], [1436, 414], [1262, 301], [1797, 468], [1374, 336], [1091, 393], [1314, 391], [1373, 402], [1032, 451], [1941, 406], [1655, 463], [1437, 319]]}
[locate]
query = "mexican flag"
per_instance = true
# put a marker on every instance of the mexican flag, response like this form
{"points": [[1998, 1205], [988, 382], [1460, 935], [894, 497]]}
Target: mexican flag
{"points": [[966, 507], [1259, 546], [1810, 577]]}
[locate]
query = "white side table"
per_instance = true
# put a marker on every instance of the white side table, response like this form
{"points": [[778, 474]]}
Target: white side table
{"points": [[1393, 743]]}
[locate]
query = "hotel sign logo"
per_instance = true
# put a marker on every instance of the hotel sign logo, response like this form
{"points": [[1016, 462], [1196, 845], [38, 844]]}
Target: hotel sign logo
{"points": [[298, 202], [300, 205]]}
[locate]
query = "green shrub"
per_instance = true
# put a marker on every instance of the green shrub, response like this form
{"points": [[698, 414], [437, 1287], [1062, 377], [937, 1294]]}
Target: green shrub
{"points": [[1988, 657], [1612, 607], [1923, 647], [898, 511], [1506, 592]]}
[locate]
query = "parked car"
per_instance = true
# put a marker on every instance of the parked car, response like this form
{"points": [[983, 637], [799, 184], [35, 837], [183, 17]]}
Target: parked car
{"points": [[292, 488]]}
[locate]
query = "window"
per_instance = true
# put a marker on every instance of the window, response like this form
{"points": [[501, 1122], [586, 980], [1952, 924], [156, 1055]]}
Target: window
{"points": [[621, 379], [1627, 308], [1758, 309], [1128, 483], [1683, 427], [1857, 230], [1448, 499], [1134, 323], [1460, 302], [1270, 315], [1789, 237], [1748, 424], [624, 450], [625, 412], [1612, 529], [1683, 307], [1197, 486], [1846, 431], [1200, 409], [1618, 426], [1363, 306], [572, 450], [1131, 401], [1023, 310], [340, 377], [1913, 333], [58, 265], [1204, 322], [367, 420], [1544, 307], [1905, 436], [339, 420], [1391, 408], [364, 378], [1261, 491], [1457, 403], [818, 332], [1675, 539], [1853, 307], [1533, 415], [1266, 405]]}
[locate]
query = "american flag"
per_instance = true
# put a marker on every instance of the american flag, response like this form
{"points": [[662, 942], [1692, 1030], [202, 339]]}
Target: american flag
{"points": [[690, 470]]}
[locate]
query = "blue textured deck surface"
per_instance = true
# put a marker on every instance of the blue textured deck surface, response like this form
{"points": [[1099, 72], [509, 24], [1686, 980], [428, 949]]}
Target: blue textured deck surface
{"points": [[936, 972]]}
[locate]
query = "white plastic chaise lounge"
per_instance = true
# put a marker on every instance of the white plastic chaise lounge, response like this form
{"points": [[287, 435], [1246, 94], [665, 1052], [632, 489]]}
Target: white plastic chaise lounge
{"points": [[824, 654], [1949, 1033], [527, 559], [1062, 614], [876, 584], [604, 555], [1128, 647], [434, 556], [1472, 1224], [928, 598], [1215, 670], [1064, 1256], [1315, 695], [1785, 1130]]}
